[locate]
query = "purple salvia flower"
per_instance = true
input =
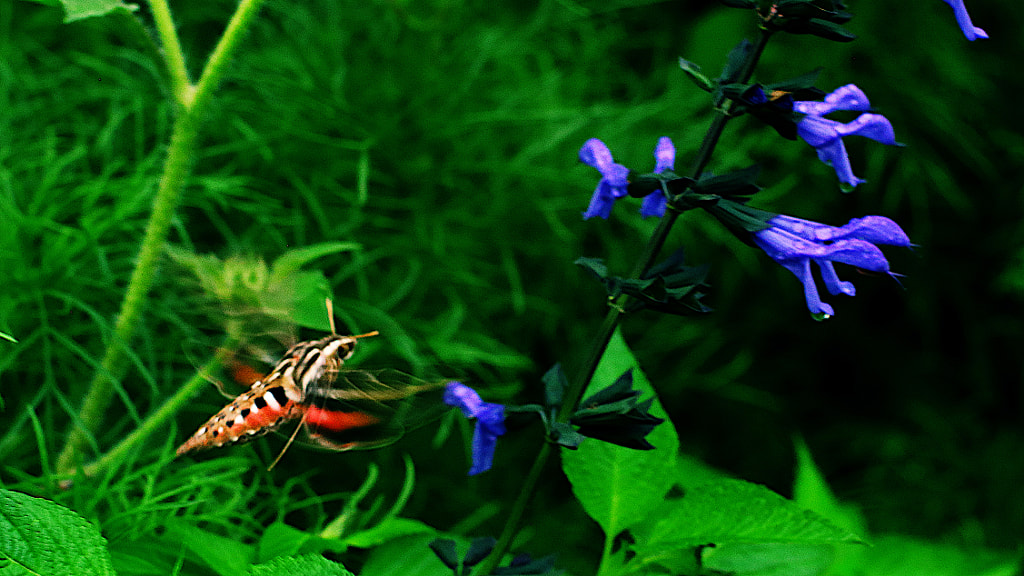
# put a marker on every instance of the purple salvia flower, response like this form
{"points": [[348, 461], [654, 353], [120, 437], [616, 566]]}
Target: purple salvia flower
{"points": [[614, 178], [795, 243], [665, 159], [490, 422], [971, 31], [826, 136]]}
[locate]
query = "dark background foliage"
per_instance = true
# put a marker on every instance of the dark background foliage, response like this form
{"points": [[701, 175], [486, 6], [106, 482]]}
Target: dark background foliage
{"points": [[469, 115]]}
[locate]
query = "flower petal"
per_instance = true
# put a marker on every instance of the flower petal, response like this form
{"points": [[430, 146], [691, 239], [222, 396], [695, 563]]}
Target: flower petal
{"points": [[463, 397], [817, 131], [874, 229], [654, 204], [848, 97], [664, 155], [963, 19], [858, 253], [802, 270], [596, 154], [873, 126], [833, 284], [601, 202]]}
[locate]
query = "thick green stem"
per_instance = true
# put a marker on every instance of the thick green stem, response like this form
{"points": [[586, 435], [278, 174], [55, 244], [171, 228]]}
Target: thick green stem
{"points": [[615, 311], [193, 105], [174, 58]]}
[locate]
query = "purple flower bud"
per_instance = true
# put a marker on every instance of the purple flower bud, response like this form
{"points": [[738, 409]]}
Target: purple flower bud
{"points": [[490, 421], [795, 243], [664, 159], [971, 31]]}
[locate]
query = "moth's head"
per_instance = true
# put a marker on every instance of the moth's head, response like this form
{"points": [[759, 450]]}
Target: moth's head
{"points": [[316, 358]]}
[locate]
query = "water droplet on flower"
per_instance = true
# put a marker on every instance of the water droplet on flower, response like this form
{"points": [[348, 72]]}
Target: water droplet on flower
{"points": [[820, 316]]}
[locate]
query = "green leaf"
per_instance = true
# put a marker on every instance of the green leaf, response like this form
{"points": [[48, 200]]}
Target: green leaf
{"points": [[225, 556], [291, 261], [8, 337], [898, 555], [281, 540], [305, 300], [768, 559], [619, 487], [309, 565], [735, 511], [693, 71], [41, 537], [811, 491], [409, 556], [80, 9], [388, 530]]}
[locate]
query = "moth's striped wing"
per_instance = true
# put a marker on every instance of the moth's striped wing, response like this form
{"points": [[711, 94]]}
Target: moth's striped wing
{"points": [[360, 410]]}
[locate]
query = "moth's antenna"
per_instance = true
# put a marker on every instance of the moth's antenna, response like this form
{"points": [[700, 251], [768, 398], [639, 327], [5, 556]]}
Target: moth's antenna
{"points": [[367, 335], [287, 444], [330, 314]]}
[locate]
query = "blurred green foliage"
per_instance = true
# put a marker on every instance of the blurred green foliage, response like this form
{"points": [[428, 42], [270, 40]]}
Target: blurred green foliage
{"points": [[441, 137]]}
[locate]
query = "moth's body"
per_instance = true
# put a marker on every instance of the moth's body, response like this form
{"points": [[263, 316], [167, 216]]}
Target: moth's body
{"points": [[341, 410], [280, 397]]}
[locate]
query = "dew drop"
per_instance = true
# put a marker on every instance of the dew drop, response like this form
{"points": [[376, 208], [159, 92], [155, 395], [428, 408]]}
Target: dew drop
{"points": [[820, 316]]}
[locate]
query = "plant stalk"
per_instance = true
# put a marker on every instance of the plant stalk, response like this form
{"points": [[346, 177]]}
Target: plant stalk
{"points": [[615, 312], [193, 105]]}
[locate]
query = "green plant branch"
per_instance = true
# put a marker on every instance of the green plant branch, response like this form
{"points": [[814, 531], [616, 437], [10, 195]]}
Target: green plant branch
{"points": [[158, 420], [615, 311], [173, 56], [178, 164]]}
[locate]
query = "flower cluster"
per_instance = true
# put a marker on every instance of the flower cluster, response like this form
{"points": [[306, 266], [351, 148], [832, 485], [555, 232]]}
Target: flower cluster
{"points": [[614, 183]]}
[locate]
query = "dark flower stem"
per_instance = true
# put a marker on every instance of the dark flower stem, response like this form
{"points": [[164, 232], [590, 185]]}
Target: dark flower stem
{"points": [[615, 311]]}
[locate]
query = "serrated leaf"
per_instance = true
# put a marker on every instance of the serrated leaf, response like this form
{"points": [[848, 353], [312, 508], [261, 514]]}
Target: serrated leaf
{"points": [[619, 487], [38, 536], [309, 565], [735, 511]]}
